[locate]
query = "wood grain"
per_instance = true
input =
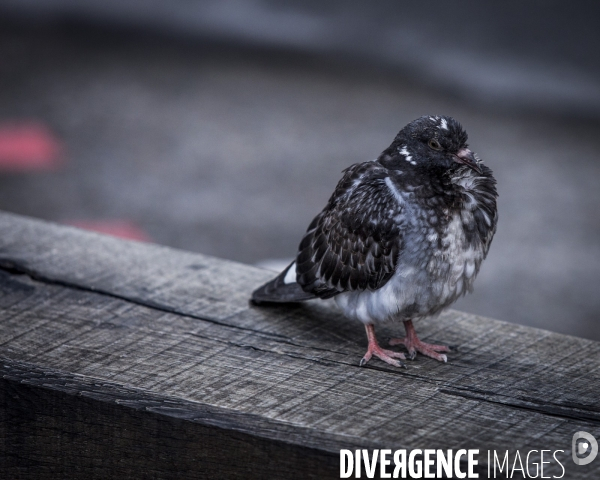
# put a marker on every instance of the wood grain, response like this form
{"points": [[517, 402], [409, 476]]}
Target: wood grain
{"points": [[110, 348]]}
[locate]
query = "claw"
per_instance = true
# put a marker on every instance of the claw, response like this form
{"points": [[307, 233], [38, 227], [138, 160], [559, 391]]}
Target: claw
{"points": [[388, 356], [414, 345]]}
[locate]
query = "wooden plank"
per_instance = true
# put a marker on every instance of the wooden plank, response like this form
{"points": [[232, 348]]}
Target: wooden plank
{"points": [[150, 274], [54, 425], [144, 329]]}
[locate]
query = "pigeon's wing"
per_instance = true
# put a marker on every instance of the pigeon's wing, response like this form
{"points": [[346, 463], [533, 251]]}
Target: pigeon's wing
{"points": [[353, 244]]}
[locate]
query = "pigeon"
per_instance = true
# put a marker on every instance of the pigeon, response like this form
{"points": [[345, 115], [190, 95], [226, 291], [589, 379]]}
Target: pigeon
{"points": [[401, 238]]}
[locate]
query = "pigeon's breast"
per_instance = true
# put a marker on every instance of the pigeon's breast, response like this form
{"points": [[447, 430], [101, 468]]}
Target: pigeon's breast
{"points": [[433, 271], [454, 263], [439, 260]]}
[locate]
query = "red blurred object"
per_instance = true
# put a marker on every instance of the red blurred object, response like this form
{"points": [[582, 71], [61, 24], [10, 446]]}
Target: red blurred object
{"points": [[117, 228], [27, 147]]}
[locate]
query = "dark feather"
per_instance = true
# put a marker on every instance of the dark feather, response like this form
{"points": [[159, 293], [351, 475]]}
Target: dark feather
{"points": [[352, 244]]}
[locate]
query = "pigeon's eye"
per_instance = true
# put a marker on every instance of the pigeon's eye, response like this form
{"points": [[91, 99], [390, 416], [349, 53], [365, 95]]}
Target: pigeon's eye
{"points": [[433, 143]]}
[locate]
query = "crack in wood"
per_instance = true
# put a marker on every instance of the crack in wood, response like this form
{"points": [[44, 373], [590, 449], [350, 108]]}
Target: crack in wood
{"points": [[15, 268], [551, 410]]}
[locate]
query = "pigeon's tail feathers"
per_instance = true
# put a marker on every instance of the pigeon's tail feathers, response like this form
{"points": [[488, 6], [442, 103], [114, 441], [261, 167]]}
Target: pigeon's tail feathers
{"points": [[282, 289]]}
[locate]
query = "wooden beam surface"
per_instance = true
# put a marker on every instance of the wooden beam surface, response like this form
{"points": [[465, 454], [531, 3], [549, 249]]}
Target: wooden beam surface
{"points": [[154, 334]]}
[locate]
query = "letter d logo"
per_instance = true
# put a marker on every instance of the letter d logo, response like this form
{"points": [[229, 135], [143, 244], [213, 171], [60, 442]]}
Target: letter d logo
{"points": [[582, 447]]}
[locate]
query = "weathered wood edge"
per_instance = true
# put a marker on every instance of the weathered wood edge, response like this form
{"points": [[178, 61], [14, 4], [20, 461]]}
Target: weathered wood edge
{"points": [[137, 399], [315, 462], [46, 432]]}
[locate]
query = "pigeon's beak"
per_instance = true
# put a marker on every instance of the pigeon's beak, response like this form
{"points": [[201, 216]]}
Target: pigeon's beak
{"points": [[466, 157]]}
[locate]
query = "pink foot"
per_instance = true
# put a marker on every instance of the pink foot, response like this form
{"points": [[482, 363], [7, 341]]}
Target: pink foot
{"points": [[414, 345], [388, 356]]}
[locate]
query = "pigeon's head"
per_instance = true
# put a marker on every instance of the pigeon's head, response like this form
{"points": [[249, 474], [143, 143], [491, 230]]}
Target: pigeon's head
{"points": [[434, 144]]}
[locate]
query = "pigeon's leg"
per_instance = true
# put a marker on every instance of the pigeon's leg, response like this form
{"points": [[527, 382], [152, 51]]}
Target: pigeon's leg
{"points": [[388, 356], [414, 345]]}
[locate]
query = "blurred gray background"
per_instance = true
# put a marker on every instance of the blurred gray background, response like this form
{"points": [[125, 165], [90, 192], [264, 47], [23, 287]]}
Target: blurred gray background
{"points": [[222, 126]]}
